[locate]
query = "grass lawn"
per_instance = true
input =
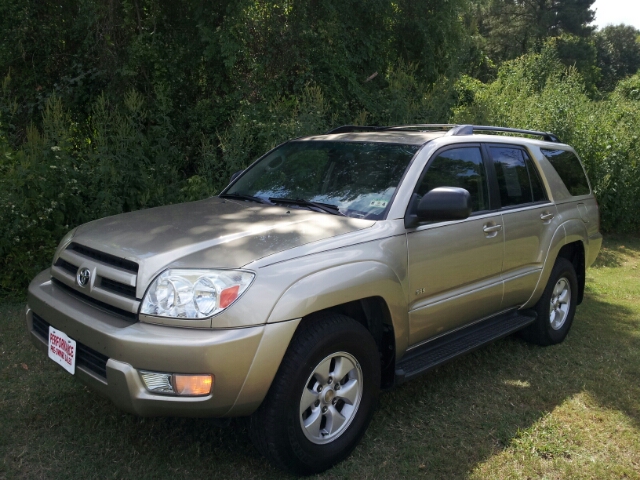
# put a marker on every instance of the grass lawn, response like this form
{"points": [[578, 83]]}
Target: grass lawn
{"points": [[510, 410]]}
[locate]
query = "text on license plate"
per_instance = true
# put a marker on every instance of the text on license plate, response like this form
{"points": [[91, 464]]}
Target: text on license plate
{"points": [[62, 350]]}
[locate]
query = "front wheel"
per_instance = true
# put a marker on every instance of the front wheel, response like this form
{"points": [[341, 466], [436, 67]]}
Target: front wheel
{"points": [[323, 397], [557, 306]]}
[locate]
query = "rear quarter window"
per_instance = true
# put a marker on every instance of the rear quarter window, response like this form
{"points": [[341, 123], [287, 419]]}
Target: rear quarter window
{"points": [[569, 170]]}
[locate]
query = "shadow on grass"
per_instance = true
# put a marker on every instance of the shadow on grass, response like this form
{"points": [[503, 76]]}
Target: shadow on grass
{"points": [[450, 420], [441, 425], [616, 250]]}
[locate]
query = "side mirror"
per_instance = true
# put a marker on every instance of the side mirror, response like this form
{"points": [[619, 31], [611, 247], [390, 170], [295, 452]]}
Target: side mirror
{"points": [[236, 175], [440, 204]]}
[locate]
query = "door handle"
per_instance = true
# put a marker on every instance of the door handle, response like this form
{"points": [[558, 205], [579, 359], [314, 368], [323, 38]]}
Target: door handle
{"points": [[491, 228], [546, 216]]}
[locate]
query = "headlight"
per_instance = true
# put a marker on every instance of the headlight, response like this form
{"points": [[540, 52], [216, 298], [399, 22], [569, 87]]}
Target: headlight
{"points": [[194, 293], [64, 243]]}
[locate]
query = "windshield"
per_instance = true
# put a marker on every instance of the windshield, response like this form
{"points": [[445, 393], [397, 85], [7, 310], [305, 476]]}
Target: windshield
{"points": [[357, 178]]}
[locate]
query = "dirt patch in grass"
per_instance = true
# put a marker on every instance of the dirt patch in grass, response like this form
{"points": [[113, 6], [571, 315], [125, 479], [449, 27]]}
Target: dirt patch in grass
{"points": [[510, 410]]}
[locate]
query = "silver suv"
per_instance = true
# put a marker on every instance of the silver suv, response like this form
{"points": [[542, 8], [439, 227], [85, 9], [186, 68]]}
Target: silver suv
{"points": [[333, 267]]}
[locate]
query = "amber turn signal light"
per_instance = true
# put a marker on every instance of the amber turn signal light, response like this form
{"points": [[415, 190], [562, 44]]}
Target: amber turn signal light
{"points": [[192, 384]]}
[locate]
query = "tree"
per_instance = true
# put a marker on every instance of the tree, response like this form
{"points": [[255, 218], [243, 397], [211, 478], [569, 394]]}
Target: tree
{"points": [[618, 49], [514, 27]]}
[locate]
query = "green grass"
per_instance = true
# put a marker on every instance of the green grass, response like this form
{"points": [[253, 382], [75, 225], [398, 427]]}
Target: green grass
{"points": [[510, 410]]}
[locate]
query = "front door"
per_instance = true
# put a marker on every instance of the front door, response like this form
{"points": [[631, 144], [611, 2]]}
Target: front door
{"points": [[454, 267]]}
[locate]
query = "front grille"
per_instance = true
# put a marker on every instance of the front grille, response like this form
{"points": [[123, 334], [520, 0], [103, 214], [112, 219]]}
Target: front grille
{"points": [[92, 360], [41, 327], [86, 357], [112, 286], [72, 269], [105, 307], [106, 283], [105, 257], [117, 287]]}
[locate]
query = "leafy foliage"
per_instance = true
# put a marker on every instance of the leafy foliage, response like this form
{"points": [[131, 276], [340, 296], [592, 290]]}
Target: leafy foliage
{"points": [[618, 53], [108, 107], [513, 28], [537, 92]]}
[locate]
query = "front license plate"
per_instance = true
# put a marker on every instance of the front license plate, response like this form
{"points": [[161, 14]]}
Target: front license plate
{"points": [[62, 350]]}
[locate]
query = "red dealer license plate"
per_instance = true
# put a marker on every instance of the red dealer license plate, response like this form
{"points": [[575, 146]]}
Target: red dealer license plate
{"points": [[62, 350]]}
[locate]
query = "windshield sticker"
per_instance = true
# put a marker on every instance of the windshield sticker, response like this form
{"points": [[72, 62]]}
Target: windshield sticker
{"points": [[378, 203]]}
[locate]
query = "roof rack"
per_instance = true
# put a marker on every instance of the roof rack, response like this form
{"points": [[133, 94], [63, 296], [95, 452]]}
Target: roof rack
{"points": [[454, 130], [423, 126], [470, 129], [420, 126], [354, 128]]}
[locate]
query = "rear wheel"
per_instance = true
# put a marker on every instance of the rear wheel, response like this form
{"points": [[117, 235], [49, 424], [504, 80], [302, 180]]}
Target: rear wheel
{"points": [[323, 397], [557, 306]]}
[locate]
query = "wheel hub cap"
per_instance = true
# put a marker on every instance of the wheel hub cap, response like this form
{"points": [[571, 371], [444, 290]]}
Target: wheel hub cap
{"points": [[331, 397], [328, 397], [560, 303]]}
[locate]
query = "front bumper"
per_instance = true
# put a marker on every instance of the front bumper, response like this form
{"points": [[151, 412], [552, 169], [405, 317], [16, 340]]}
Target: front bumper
{"points": [[242, 360]]}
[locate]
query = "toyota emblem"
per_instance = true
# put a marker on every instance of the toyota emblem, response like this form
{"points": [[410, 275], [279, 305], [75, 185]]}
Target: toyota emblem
{"points": [[83, 277]]}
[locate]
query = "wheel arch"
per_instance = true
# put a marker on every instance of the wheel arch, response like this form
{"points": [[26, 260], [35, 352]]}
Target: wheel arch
{"points": [[567, 242], [369, 292], [575, 253], [373, 313]]}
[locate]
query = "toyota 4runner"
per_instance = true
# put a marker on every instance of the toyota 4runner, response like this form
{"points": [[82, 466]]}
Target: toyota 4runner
{"points": [[333, 267]]}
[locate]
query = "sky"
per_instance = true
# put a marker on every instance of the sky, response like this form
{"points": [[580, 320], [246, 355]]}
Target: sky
{"points": [[616, 12]]}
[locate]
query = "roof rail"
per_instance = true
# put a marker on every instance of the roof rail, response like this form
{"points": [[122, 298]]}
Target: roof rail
{"points": [[354, 128], [454, 130], [470, 129], [423, 126], [360, 128]]}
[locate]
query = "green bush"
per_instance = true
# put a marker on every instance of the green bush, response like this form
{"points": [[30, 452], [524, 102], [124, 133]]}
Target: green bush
{"points": [[537, 92], [65, 174], [150, 122], [110, 107]]}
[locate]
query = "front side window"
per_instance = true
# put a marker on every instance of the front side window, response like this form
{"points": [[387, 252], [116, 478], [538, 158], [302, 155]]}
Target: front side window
{"points": [[459, 167], [518, 179], [569, 169], [358, 179]]}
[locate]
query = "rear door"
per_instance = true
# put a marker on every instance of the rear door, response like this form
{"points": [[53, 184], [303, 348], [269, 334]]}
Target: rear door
{"points": [[454, 267], [529, 220]]}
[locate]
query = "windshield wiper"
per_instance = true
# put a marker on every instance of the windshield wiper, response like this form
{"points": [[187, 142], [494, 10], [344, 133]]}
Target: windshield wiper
{"points": [[325, 207], [239, 196]]}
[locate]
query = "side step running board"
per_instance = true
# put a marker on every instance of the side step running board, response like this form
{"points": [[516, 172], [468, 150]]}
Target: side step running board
{"points": [[447, 347]]}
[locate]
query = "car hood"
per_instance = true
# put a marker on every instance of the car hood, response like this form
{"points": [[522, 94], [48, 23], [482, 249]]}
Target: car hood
{"points": [[219, 233]]}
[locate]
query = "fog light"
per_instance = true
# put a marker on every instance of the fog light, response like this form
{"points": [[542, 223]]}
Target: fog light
{"points": [[192, 384], [177, 384], [157, 382]]}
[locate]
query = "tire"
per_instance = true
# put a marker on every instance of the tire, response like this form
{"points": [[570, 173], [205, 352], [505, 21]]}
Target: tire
{"points": [[331, 344], [556, 308]]}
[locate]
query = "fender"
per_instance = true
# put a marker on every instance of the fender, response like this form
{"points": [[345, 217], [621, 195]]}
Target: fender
{"points": [[576, 230], [568, 232], [318, 291], [557, 242], [273, 345], [346, 283]]}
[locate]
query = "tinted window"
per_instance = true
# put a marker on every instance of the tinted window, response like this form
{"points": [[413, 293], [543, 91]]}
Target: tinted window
{"points": [[538, 191], [518, 179], [569, 169], [459, 167]]}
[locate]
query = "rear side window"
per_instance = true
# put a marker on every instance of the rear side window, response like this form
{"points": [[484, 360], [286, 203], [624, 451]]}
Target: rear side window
{"points": [[569, 169], [518, 179]]}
